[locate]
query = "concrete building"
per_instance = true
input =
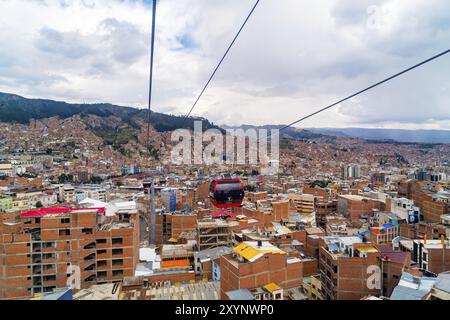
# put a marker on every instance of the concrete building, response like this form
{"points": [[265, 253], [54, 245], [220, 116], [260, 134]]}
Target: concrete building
{"points": [[169, 199], [404, 209], [212, 233], [91, 191], [351, 172], [67, 194], [303, 203], [384, 234], [6, 169]]}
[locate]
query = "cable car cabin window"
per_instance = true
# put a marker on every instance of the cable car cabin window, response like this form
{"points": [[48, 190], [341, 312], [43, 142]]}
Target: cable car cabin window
{"points": [[227, 193]]}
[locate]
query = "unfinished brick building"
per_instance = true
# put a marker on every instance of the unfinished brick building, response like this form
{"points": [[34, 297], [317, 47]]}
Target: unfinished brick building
{"points": [[171, 225], [432, 255], [256, 264], [357, 207], [392, 265], [212, 233], [343, 264], [40, 249], [432, 205]]}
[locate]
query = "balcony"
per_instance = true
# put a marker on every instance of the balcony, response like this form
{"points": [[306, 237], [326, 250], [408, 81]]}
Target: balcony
{"points": [[36, 248], [89, 257], [89, 279], [91, 267], [37, 270], [90, 246]]}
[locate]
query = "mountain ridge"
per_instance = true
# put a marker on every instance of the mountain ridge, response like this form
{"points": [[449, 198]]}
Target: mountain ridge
{"points": [[15, 108], [398, 135]]}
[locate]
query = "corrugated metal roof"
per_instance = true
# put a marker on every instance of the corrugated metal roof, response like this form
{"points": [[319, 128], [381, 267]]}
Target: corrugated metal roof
{"points": [[443, 282], [242, 294], [248, 252], [251, 251], [271, 287]]}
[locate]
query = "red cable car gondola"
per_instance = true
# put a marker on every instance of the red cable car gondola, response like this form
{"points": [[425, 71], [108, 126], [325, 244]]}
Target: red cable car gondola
{"points": [[226, 193]]}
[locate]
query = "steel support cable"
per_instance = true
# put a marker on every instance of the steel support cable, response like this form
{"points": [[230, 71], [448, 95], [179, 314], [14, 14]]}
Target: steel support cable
{"points": [[220, 62], [366, 89]]}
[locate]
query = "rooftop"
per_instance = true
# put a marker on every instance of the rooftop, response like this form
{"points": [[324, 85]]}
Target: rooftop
{"points": [[412, 287], [251, 251], [39, 213], [241, 294]]}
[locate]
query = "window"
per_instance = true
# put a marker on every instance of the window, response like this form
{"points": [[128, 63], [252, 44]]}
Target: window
{"points": [[49, 278], [50, 244], [49, 256], [117, 251], [102, 251], [86, 230], [116, 273], [101, 274], [49, 289], [101, 263], [117, 262], [101, 240], [48, 267], [117, 240], [37, 220], [64, 232], [65, 220]]}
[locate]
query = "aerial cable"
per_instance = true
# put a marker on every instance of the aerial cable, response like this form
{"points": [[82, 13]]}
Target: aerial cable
{"points": [[152, 52], [220, 62], [366, 89]]}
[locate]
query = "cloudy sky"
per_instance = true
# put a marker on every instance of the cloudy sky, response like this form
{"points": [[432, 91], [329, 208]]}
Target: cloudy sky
{"points": [[294, 57]]}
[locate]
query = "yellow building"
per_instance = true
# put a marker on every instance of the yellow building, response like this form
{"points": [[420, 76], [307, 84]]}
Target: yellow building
{"points": [[20, 204], [303, 203], [6, 169], [313, 286]]}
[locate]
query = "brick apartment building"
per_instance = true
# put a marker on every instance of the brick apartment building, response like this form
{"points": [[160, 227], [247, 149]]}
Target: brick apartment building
{"points": [[40, 247], [358, 207], [255, 264], [343, 265], [432, 255], [393, 264], [171, 225], [432, 205], [323, 209]]}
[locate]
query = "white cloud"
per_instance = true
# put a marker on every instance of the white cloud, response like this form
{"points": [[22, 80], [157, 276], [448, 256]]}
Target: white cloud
{"points": [[294, 57]]}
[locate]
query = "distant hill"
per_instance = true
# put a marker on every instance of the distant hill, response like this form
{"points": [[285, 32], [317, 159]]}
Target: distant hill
{"points": [[14, 108], [292, 133], [400, 135]]}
